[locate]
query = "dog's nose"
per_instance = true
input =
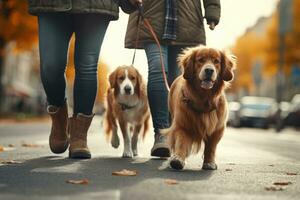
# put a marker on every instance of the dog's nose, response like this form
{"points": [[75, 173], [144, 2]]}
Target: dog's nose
{"points": [[127, 89], [209, 72]]}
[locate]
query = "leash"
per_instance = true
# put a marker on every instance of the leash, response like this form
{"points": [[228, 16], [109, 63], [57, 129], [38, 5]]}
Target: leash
{"points": [[149, 27]]}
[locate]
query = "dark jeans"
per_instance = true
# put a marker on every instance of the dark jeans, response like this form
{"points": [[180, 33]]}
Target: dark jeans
{"points": [[157, 92], [55, 31]]}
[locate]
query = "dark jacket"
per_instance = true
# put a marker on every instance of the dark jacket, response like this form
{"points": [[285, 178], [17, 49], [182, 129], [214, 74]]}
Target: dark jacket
{"points": [[106, 7], [190, 25]]}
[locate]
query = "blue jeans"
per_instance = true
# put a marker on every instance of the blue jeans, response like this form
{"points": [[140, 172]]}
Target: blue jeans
{"points": [[157, 92], [55, 31]]}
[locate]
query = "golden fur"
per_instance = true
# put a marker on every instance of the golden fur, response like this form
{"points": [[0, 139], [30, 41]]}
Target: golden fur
{"points": [[198, 114]]}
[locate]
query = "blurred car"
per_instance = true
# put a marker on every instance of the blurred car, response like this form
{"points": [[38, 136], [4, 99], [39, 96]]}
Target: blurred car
{"points": [[257, 111], [293, 117], [233, 113]]}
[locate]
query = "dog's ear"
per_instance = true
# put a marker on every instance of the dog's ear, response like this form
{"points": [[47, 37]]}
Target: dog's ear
{"points": [[228, 65], [139, 83], [186, 62], [113, 79]]}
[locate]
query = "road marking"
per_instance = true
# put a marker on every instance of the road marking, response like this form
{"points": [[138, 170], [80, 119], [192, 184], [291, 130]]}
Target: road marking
{"points": [[66, 168]]}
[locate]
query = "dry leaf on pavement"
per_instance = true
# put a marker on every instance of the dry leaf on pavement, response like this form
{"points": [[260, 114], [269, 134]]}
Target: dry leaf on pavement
{"points": [[125, 172], [291, 174], [282, 183], [228, 170], [31, 145], [1, 148], [11, 145], [273, 188], [78, 182], [231, 164], [10, 162], [171, 181]]}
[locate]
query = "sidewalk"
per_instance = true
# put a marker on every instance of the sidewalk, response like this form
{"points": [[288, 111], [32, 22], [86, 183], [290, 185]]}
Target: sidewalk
{"points": [[250, 161]]}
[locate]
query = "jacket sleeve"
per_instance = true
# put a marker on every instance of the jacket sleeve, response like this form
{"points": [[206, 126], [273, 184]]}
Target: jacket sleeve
{"points": [[212, 10], [127, 7]]}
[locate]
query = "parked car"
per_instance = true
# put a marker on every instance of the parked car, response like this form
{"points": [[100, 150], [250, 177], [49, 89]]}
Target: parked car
{"points": [[233, 113], [293, 117], [257, 111]]}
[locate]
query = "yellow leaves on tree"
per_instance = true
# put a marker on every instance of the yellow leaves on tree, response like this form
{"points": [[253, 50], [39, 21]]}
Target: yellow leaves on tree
{"points": [[291, 43], [265, 47], [248, 49], [102, 74], [17, 25]]}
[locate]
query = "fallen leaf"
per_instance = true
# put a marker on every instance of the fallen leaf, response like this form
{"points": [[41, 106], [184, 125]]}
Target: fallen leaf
{"points": [[78, 182], [291, 174], [1, 148], [271, 165], [10, 162], [125, 172], [171, 181], [31, 145], [282, 183], [11, 145], [273, 188], [228, 170]]}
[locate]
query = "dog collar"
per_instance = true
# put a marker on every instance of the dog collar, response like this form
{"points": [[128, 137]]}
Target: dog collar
{"points": [[126, 107], [205, 108]]}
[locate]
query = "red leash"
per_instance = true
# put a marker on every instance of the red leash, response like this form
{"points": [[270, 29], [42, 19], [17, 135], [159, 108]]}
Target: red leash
{"points": [[149, 27]]}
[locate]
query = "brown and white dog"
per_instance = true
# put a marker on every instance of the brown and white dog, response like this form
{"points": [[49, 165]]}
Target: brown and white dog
{"points": [[127, 103], [198, 106]]}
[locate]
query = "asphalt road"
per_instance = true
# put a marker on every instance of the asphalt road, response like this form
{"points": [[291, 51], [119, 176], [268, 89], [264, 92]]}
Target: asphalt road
{"points": [[249, 161]]}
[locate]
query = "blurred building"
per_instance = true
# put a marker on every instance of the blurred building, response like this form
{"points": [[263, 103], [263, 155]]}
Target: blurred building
{"points": [[21, 80], [258, 61]]}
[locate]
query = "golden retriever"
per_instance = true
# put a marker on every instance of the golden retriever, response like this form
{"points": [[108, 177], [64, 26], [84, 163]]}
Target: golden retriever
{"points": [[127, 103], [198, 105]]}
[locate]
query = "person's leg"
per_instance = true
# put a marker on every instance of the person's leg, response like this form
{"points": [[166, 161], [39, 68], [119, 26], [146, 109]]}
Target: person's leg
{"points": [[54, 34], [55, 30], [89, 33], [174, 70], [158, 97]]}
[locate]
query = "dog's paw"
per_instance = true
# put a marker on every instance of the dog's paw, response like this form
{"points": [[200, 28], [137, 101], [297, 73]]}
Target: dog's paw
{"points": [[176, 163], [127, 154], [135, 152], [115, 142], [210, 166]]}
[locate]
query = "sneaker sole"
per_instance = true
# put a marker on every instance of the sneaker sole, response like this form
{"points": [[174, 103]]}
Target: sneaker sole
{"points": [[162, 152], [80, 155]]}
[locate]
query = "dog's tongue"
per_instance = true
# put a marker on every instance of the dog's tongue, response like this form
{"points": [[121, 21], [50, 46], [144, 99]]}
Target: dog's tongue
{"points": [[207, 84]]}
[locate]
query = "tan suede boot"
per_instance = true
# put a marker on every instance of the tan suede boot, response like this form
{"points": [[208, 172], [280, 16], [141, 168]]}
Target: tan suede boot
{"points": [[78, 128], [58, 139]]}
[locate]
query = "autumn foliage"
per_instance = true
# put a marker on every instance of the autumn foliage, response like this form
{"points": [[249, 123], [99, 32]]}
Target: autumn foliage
{"points": [[253, 46], [17, 25]]}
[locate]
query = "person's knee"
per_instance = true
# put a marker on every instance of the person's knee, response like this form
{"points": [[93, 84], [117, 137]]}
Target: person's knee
{"points": [[52, 69], [86, 67]]}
